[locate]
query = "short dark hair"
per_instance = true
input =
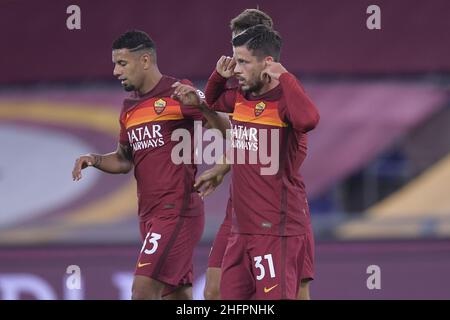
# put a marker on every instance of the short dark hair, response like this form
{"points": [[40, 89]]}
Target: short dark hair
{"points": [[260, 39], [249, 18], [134, 40]]}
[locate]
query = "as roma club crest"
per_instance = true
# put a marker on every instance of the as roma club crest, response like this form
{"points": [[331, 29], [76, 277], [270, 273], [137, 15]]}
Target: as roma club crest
{"points": [[259, 108], [159, 106]]}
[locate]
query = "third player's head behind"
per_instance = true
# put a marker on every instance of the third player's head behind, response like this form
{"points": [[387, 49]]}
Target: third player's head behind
{"points": [[134, 58], [252, 50], [249, 18]]}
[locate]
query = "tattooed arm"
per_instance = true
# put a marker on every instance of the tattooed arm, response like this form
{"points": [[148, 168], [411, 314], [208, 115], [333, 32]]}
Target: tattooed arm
{"points": [[119, 161]]}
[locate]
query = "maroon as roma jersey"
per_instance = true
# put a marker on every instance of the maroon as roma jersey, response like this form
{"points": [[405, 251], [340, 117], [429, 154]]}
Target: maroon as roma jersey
{"points": [[147, 123]]}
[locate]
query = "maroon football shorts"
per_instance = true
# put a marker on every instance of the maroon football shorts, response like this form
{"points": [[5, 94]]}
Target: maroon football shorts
{"points": [[168, 246], [262, 267], [221, 240]]}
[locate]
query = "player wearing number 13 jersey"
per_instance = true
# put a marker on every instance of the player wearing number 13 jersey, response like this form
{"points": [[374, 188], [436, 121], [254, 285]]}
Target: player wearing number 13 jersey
{"points": [[170, 211], [269, 212]]}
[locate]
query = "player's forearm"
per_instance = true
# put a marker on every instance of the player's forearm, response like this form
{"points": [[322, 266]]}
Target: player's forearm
{"points": [[302, 111], [224, 168], [214, 88], [112, 163], [215, 120]]}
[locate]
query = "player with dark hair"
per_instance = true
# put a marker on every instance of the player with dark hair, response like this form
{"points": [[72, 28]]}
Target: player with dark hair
{"points": [[249, 18], [171, 212], [269, 236], [213, 177]]}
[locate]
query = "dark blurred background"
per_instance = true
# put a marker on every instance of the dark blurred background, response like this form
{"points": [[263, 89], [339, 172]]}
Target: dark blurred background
{"points": [[377, 171]]}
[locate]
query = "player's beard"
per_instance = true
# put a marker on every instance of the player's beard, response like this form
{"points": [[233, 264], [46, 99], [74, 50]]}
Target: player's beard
{"points": [[129, 87], [255, 87]]}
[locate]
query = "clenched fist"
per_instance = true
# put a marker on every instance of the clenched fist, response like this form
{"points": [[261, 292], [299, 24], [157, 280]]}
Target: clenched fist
{"points": [[187, 95]]}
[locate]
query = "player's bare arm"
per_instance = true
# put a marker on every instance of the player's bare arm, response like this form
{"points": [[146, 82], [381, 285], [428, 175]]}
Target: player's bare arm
{"points": [[189, 96], [209, 180], [119, 161]]}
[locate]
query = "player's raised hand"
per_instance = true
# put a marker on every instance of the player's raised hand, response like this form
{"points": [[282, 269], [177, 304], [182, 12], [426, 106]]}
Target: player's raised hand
{"points": [[273, 70], [81, 163], [225, 66], [209, 180], [186, 94]]}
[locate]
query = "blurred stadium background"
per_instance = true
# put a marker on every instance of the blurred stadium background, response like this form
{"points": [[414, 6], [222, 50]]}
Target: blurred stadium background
{"points": [[377, 171]]}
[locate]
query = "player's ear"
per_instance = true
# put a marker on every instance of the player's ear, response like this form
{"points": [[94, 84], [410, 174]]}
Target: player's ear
{"points": [[146, 60], [269, 59]]}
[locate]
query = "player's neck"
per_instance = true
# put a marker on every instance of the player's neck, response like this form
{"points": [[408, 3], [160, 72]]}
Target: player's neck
{"points": [[150, 82], [266, 87]]}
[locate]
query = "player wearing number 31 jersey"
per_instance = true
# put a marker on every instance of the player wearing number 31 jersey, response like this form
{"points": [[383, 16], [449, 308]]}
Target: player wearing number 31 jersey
{"points": [[269, 211]]}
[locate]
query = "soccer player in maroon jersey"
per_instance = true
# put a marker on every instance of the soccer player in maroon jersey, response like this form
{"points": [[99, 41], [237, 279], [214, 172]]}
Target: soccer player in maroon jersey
{"points": [[213, 177], [171, 212], [271, 212]]}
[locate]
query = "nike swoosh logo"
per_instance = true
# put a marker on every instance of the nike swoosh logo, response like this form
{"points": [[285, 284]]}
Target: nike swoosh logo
{"points": [[267, 290], [140, 265]]}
